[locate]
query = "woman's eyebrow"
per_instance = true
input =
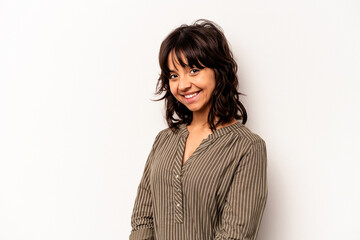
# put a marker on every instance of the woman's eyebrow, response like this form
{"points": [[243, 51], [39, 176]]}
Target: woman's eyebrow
{"points": [[186, 66]]}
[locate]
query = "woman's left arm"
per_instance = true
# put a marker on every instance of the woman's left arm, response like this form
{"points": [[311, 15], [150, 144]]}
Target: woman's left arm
{"points": [[246, 199]]}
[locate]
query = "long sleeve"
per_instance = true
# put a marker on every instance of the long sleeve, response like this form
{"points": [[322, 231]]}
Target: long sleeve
{"points": [[246, 199], [142, 215]]}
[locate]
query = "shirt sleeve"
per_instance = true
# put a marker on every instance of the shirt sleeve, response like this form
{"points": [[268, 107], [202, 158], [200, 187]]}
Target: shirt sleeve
{"points": [[142, 215], [246, 199]]}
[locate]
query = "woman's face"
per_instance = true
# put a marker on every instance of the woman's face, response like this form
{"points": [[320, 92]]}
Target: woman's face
{"points": [[191, 86]]}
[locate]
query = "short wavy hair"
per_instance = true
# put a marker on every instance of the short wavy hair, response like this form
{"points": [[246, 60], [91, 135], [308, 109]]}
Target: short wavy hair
{"points": [[202, 42]]}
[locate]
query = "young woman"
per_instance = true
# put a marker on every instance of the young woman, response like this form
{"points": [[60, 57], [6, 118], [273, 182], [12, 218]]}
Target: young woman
{"points": [[205, 176]]}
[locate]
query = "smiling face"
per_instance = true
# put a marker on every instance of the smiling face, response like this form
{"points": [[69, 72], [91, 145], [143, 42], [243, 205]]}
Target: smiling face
{"points": [[190, 85]]}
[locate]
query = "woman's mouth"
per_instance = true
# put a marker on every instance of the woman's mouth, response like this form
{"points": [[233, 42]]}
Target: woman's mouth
{"points": [[190, 98]]}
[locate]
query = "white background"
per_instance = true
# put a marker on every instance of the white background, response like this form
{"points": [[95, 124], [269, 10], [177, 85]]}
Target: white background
{"points": [[76, 82]]}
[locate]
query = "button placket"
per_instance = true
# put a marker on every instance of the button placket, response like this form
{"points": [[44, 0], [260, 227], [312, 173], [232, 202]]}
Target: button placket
{"points": [[178, 197], [177, 183]]}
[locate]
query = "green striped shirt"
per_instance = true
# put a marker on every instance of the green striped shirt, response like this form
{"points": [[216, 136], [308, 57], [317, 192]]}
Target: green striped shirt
{"points": [[219, 193]]}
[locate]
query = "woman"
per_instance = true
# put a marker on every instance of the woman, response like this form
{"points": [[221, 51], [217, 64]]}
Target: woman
{"points": [[205, 176]]}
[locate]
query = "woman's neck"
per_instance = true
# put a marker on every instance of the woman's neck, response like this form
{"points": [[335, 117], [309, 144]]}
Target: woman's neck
{"points": [[200, 122]]}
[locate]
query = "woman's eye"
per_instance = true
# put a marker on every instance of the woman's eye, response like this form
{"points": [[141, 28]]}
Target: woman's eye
{"points": [[194, 70], [172, 76]]}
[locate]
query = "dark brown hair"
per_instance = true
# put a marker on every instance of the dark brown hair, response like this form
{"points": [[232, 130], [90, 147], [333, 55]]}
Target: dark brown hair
{"points": [[202, 42]]}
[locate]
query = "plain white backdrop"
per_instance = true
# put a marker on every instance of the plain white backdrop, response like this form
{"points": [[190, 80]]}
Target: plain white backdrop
{"points": [[76, 82]]}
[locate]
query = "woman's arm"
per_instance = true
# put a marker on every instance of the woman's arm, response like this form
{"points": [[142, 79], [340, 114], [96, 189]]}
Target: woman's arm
{"points": [[142, 215], [246, 198]]}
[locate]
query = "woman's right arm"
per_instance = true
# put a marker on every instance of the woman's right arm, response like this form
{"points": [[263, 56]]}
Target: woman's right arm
{"points": [[142, 215]]}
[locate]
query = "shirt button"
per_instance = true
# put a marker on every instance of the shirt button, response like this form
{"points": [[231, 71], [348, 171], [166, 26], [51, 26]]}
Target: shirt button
{"points": [[178, 204], [177, 176]]}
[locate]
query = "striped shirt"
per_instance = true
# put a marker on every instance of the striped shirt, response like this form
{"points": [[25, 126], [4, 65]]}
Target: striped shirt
{"points": [[220, 192]]}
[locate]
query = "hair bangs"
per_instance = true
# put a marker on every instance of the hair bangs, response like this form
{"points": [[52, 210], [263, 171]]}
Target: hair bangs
{"points": [[188, 53]]}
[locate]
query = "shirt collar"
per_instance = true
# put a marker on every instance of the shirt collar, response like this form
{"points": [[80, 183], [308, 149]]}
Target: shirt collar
{"points": [[217, 133]]}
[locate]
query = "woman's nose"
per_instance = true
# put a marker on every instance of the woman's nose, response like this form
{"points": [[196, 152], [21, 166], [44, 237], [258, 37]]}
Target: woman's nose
{"points": [[184, 83]]}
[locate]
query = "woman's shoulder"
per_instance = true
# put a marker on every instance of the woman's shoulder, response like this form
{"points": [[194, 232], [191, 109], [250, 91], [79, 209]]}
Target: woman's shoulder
{"points": [[163, 134], [167, 131], [245, 133]]}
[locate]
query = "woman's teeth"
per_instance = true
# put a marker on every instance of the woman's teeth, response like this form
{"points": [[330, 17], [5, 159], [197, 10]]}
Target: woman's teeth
{"points": [[191, 95]]}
